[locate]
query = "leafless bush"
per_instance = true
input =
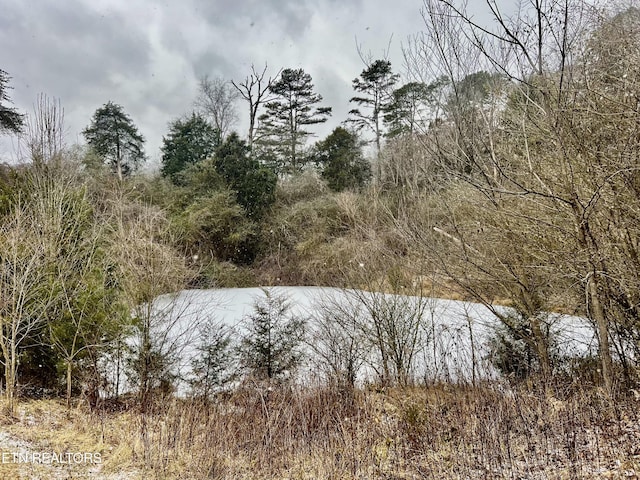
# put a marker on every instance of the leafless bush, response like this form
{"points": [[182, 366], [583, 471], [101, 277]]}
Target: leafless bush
{"points": [[436, 432]]}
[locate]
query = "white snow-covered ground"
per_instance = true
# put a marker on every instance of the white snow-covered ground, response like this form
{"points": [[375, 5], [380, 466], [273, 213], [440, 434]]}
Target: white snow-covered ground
{"points": [[457, 332]]}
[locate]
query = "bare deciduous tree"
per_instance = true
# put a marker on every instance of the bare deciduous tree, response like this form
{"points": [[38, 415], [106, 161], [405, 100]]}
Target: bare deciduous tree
{"points": [[151, 274], [216, 101], [255, 89], [25, 290], [394, 327], [392, 324], [37, 236], [338, 341], [542, 169], [148, 268], [45, 135]]}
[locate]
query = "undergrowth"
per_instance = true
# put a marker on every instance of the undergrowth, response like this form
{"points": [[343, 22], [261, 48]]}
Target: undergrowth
{"points": [[440, 431]]}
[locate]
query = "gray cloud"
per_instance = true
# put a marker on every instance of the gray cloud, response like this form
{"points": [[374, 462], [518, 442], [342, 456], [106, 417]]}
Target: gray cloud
{"points": [[65, 45], [291, 17], [147, 55]]}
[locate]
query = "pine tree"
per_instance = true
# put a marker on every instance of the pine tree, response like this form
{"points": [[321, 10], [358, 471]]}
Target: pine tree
{"points": [[410, 107], [189, 141], [283, 125], [113, 136], [10, 119], [374, 87]]}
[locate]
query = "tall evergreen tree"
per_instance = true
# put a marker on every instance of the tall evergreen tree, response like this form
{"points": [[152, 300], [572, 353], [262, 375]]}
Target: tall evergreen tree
{"points": [[292, 110], [189, 141], [113, 136], [410, 106], [10, 119], [474, 92], [374, 89]]}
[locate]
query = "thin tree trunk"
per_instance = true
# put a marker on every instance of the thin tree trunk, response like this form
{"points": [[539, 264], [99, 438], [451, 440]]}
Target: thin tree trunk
{"points": [[10, 375], [69, 368], [542, 349], [597, 313]]}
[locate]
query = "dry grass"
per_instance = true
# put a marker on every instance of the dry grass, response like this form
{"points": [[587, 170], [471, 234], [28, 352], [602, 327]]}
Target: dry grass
{"points": [[316, 433], [46, 426]]}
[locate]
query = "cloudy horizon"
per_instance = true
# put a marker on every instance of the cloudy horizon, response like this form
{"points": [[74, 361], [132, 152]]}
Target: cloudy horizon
{"points": [[148, 56]]}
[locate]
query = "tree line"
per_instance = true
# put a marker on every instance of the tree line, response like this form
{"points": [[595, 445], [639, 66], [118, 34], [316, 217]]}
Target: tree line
{"points": [[281, 111]]}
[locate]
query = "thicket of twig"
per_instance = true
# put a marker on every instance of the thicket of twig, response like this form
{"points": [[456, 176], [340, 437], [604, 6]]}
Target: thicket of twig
{"points": [[432, 432]]}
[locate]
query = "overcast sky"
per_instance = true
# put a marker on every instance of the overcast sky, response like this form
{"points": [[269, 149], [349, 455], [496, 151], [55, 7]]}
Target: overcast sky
{"points": [[148, 55]]}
